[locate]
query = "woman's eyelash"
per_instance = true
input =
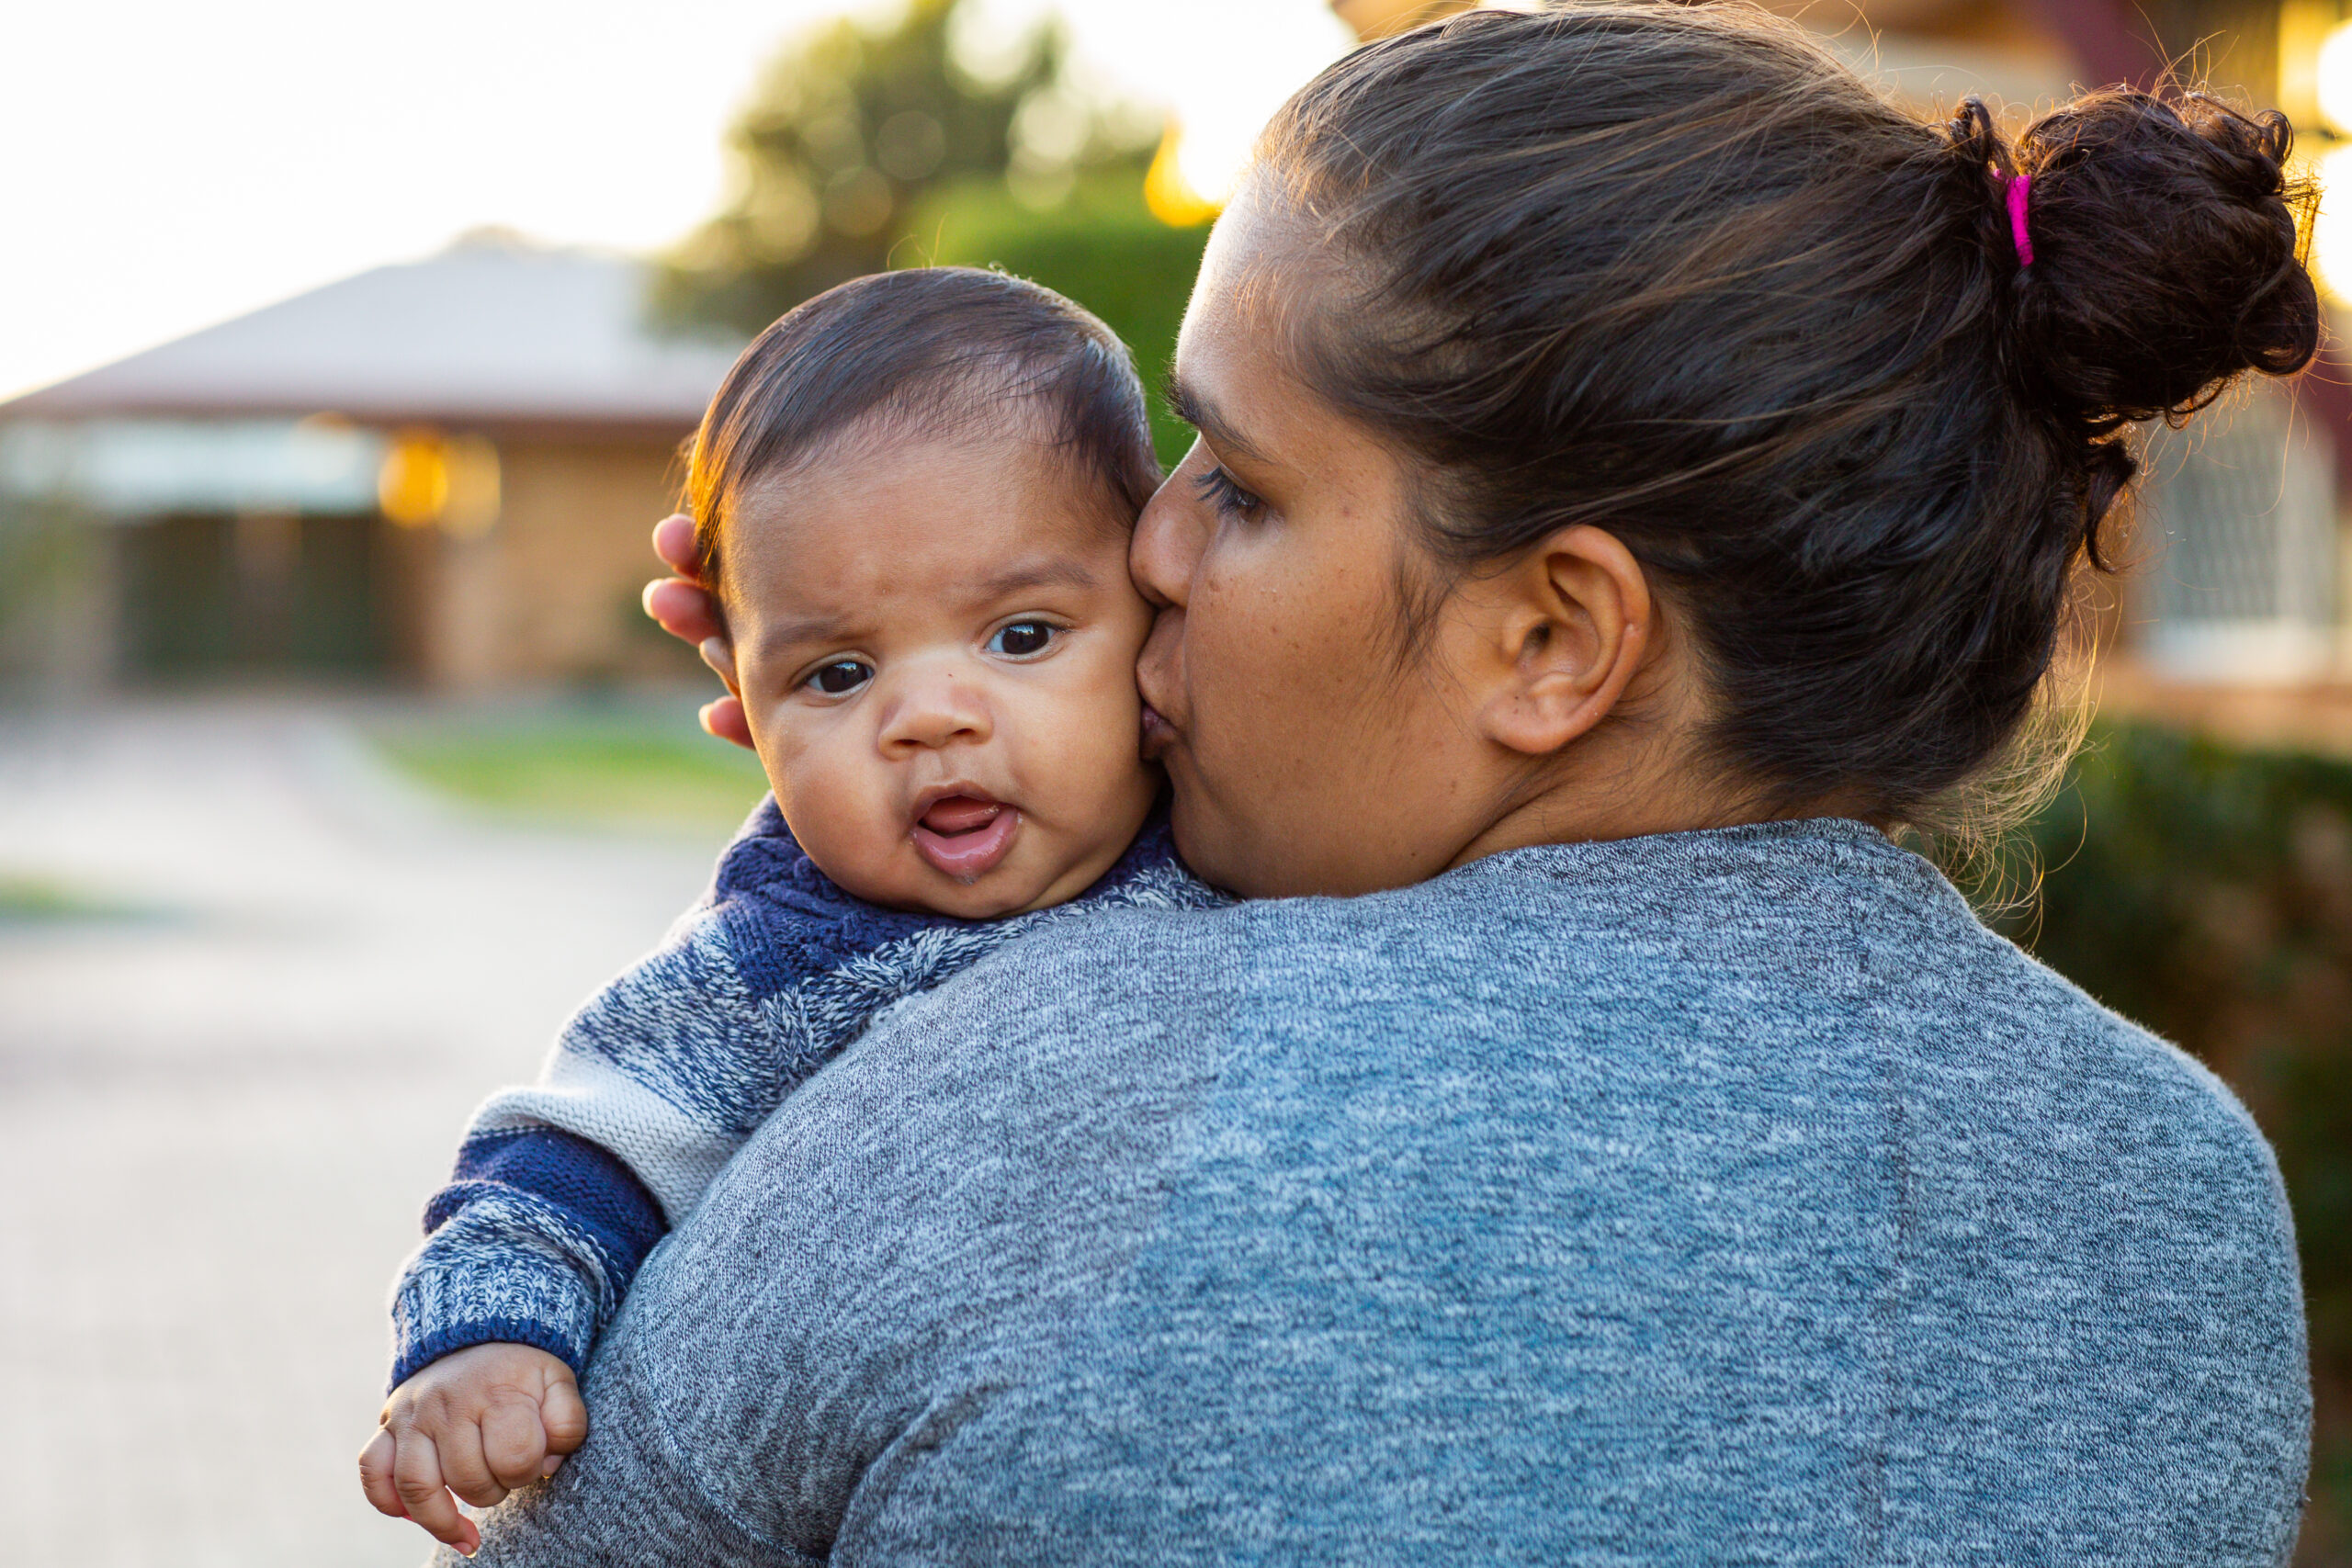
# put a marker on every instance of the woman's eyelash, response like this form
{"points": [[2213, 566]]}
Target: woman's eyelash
{"points": [[1230, 500]]}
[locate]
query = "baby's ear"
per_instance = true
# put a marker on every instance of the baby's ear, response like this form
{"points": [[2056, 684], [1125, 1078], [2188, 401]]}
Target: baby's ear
{"points": [[719, 654]]}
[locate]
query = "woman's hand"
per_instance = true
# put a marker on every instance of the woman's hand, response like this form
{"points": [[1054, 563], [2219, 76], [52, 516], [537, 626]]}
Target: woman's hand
{"points": [[685, 610]]}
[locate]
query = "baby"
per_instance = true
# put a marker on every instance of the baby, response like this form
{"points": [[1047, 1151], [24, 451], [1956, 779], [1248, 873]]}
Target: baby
{"points": [[912, 497]]}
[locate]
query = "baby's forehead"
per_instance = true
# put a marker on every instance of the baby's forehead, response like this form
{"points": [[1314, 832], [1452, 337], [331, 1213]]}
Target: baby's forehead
{"points": [[948, 478], [958, 517]]}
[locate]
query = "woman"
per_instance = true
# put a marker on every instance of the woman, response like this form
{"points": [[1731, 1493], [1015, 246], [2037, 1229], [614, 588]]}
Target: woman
{"points": [[1638, 468]]}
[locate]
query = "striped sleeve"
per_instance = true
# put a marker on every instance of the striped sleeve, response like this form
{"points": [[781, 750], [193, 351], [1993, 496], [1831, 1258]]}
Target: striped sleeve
{"points": [[562, 1187], [532, 1243]]}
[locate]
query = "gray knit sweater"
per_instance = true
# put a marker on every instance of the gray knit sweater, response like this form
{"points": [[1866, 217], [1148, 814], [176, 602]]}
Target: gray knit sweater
{"points": [[1728, 1197]]}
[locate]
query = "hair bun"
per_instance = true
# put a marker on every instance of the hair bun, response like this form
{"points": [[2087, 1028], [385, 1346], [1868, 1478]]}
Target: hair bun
{"points": [[2167, 255]]}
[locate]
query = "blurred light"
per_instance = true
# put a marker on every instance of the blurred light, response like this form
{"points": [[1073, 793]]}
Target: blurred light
{"points": [[1052, 125], [783, 215], [993, 43], [414, 484], [2304, 26], [2335, 78], [1218, 69], [1200, 165], [2331, 230], [427, 479], [1382, 18], [1173, 200], [1211, 157]]}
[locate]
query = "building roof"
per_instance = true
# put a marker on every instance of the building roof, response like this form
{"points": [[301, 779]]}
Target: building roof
{"points": [[492, 331]]}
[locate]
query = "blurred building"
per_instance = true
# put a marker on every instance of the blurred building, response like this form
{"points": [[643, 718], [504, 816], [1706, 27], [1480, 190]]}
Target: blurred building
{"points": [[2234, 614], [443, 472]]}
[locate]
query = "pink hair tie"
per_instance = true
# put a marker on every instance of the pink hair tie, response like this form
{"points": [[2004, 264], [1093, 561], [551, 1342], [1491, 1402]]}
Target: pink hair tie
{"points": [[2019, 185]]}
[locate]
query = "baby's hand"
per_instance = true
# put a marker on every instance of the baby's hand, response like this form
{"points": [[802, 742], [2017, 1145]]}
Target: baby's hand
{"points": [[479, 1422]]}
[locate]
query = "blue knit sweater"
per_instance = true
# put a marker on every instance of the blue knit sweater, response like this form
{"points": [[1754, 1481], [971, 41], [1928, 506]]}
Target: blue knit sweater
{"points": [[561, 1187], [1727, 1198]]}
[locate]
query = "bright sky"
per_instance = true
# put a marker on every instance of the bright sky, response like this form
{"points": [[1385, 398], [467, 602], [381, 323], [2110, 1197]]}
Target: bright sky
{"points": [[168, 165]]}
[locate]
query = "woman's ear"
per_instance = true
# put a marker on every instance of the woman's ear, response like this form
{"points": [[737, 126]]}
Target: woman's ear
{"points": [[1568, 627]]}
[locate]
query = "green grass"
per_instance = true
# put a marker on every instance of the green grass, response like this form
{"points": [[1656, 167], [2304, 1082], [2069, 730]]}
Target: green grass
{"points": [[30, 900], [619, 766]]}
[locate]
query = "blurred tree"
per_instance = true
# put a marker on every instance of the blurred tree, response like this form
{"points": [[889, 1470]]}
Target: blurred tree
{"points": [[852, 128], [1100, 246]]}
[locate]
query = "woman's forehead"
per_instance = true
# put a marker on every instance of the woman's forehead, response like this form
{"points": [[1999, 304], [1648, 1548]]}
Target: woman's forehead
{"points": [[1236, 373], [1267, 264]]}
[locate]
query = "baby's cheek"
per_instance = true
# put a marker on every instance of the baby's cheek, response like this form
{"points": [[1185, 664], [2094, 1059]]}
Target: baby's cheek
{"points": [[1096, 761], [836, 803]]}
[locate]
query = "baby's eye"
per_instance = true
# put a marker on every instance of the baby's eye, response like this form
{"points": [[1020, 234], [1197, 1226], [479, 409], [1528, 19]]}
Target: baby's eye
{"points": [[841, 677], [1022, 638]]}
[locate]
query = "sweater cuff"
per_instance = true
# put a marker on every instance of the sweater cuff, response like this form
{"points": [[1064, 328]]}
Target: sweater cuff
{"points": [[453, 1337], [543, 1305]]}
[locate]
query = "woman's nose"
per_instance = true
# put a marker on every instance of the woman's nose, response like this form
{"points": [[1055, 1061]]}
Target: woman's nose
{"points": [[1170, 538], [934, 709]]}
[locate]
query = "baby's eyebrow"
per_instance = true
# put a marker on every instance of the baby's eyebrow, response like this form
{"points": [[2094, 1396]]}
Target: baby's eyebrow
{"points": [[784, 635], [1056, 571]]}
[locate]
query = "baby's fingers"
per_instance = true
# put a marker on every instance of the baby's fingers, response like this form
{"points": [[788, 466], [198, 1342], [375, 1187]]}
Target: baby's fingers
{"points": [[376, 1474], [416, 1476], [465, 1469], [513, 1444], [565, 1417]]}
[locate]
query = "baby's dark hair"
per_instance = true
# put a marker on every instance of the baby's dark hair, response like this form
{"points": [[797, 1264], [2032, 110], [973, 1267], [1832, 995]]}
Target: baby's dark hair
{"points": [[926, 349], [1674, 270]]}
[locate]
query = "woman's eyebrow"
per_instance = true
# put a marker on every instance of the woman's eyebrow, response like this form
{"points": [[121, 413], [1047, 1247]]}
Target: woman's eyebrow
{"points": [[1187, 403]]}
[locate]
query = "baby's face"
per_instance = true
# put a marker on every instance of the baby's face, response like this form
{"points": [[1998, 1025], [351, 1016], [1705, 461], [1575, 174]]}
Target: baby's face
{"points": [[936, 644]]}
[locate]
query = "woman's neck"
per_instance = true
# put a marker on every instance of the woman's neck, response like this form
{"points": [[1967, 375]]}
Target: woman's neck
{"points": [[1645, 771]]}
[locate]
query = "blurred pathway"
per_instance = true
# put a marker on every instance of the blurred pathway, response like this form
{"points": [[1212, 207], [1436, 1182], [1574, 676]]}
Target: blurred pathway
{"points": [[220, 1113]]}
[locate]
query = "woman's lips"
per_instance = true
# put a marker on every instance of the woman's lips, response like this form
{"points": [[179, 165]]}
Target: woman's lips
{"points": [[965, 836], [1158, 735]]}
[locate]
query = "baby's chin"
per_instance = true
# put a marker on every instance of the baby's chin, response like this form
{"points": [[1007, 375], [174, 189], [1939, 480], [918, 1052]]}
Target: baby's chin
{"points": [[996, 895], [992, 898], [991, 907]]}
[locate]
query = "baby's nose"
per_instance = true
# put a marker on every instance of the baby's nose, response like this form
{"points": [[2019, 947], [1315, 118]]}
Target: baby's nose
{"points": [[935, 709]]}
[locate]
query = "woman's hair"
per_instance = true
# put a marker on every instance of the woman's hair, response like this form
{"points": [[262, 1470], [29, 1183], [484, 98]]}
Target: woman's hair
{"points": [[1675, 271], [929, 349]]}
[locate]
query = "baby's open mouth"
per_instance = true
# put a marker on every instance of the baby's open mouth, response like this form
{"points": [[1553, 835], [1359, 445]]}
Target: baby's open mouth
{"points": [[966, 835]]}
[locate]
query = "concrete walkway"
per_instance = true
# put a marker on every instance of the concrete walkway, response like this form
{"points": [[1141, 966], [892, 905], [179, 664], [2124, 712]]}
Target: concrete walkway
{"points": [[221, 1112]]}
